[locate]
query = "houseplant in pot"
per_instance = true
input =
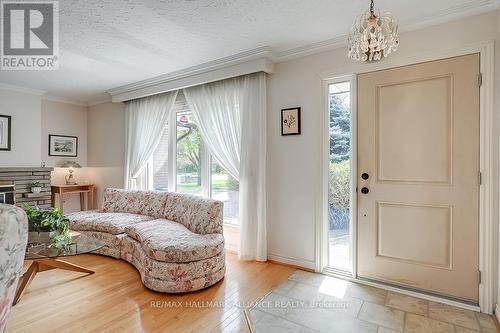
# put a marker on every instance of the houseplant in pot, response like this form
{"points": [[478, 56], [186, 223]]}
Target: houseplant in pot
{"points": [[47, 226], [35, 187]]}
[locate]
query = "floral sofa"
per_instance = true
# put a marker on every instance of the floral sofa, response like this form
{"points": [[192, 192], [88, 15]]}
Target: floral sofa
{"points": [[174, 240], [13, 239]]}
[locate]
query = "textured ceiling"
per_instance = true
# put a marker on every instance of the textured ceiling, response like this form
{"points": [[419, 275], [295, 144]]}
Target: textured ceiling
{"points": [[109, 43]]}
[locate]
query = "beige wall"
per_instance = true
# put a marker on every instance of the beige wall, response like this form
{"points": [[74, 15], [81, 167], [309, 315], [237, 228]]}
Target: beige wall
{"points": [[25, 110], [106, 146], [33, 119], [294, 165], [65, 119]]}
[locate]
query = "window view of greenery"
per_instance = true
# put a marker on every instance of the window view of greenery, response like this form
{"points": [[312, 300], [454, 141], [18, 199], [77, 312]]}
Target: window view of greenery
{"points": [[189, 166], [189, 148], [339, 176], [226, 189]]}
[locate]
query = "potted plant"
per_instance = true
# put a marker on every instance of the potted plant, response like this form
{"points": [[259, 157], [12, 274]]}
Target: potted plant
{"points": [[35, 187], [46, 226]]}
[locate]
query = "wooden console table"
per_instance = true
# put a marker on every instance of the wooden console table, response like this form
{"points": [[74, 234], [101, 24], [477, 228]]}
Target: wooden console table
{"points": [[79, 188]]}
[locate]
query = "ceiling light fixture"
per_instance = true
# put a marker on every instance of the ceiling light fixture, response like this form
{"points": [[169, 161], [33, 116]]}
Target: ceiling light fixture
{"points": [[373, 36]]}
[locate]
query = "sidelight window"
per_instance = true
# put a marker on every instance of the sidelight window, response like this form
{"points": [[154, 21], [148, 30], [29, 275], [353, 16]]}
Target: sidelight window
{"points": [[339, 177]]}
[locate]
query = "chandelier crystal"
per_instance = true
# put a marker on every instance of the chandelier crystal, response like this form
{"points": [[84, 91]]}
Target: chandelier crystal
{"points": [[373, 36]]}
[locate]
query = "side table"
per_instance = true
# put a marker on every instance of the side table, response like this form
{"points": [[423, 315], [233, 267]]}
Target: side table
{"points": [[83, 189]]}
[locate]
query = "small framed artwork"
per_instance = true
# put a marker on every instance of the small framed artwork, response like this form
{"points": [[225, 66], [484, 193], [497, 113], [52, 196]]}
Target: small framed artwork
{"points": [[5, 132], [63, 145], [290, 121]]}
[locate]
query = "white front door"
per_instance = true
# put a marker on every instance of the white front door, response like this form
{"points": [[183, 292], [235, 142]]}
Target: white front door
{"points": [[418, 147]]}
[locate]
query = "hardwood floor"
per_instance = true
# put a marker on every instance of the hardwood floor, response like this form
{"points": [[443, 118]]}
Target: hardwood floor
{"points": [[114, 300]]}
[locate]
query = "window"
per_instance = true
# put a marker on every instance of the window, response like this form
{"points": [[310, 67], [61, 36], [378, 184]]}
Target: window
{"points": [[226, 189], [189, 155], [339, 179], [182, 163]]}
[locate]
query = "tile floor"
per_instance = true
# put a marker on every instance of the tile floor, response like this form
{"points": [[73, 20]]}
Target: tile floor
{"points": [[310, 302]]}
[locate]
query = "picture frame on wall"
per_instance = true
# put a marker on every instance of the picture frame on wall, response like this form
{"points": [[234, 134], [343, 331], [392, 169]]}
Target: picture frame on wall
{"points": [[63, 145], [290, 121], [5, 133]]}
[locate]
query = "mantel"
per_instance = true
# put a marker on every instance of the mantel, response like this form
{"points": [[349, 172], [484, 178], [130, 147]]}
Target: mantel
{"points": [[27, 169]]}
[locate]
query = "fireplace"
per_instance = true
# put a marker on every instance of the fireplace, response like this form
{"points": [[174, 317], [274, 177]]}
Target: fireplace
{"points": [[7, 194], [15, 186]]}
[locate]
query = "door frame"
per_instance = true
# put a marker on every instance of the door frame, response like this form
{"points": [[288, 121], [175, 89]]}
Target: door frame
{"points": [[488, 167]]}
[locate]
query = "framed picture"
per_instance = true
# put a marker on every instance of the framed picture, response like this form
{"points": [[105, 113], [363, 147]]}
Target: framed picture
{"points": [[290, 121], [5, 132], [63, 145]]}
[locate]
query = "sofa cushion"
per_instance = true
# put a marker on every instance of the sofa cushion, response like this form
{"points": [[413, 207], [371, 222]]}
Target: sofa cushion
{"points": [[200, 215], [150, 203], [113, 223], [169, 241]]}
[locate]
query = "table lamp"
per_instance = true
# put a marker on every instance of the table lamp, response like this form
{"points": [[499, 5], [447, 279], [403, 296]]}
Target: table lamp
{"points": [[71, 165]]}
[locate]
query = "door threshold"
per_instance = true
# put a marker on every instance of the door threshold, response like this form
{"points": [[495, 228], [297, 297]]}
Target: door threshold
{"points": [[405, 291]]}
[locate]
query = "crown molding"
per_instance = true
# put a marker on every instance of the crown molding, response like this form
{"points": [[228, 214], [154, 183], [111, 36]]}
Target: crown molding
{"points": [[239, 58], [65, 100], [313, 48], [41, 93], [453, 13], [24, 90], [100, 101], [475, 7]]}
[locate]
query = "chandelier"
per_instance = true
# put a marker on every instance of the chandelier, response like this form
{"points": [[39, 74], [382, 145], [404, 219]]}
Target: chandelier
{"points": [[373, 36]]}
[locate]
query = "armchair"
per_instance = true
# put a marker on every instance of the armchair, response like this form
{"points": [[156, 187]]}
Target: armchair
{"points": [[13, 239]]}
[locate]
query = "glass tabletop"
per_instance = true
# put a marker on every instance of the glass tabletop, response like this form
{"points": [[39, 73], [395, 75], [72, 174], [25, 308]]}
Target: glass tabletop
{"points": [[80, 244]]}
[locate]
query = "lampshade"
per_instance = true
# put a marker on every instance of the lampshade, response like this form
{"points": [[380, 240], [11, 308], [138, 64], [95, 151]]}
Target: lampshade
{"points": [[70, 164]]}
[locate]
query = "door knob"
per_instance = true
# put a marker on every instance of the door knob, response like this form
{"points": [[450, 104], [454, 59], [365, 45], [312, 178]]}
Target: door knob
{"points": [[365, 190], [365, 176]]}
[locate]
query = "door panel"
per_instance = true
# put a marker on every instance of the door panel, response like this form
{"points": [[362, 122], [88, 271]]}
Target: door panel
{"points": [[423, 233], [406, 111], [418, 139]]}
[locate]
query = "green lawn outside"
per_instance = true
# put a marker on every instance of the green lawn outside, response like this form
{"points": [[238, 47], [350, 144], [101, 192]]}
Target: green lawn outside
{"points": [[219, 182]]}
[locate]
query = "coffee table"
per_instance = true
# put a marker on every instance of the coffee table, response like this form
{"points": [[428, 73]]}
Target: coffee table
{"points": [[45, 257]]}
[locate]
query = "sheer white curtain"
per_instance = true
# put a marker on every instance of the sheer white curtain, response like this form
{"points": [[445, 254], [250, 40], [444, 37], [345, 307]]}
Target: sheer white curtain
{"points": [[253, 237], [231, 116], [146, 118], [215, 107]]}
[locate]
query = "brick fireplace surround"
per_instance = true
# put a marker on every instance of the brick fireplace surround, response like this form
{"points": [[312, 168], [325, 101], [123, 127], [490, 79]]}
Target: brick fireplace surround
{"points": [[21, 177]]}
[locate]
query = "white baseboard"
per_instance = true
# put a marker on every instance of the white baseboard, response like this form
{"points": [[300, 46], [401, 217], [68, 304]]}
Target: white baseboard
{"points": [[307, 264]]}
